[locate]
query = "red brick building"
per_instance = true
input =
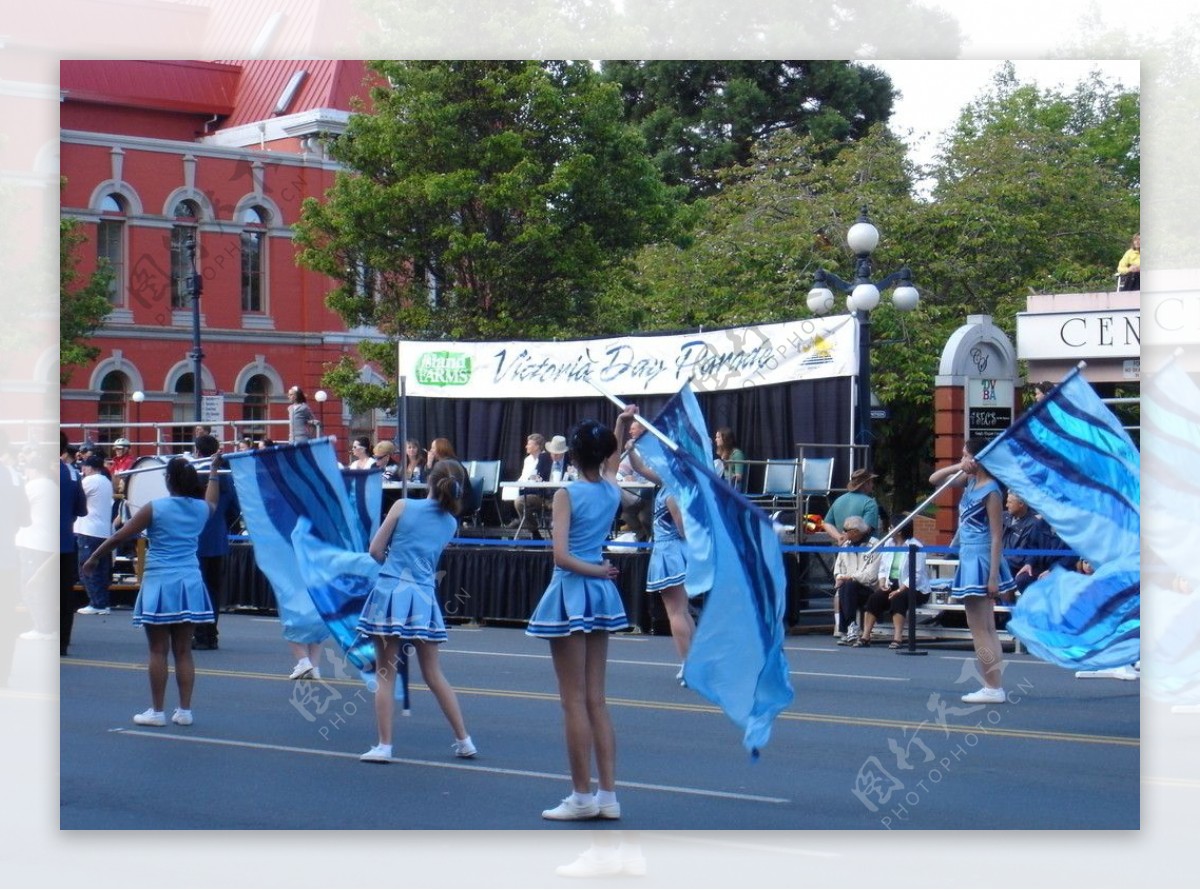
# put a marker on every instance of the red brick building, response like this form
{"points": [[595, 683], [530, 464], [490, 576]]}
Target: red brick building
{"points": [[157, 154]]}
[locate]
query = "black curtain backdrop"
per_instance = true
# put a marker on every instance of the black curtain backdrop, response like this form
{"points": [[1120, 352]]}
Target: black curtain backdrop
{"points": [[768, 421]]}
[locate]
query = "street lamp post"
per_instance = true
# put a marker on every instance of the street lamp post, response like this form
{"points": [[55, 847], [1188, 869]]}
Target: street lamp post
{"points": [[320, 395], [195, 286], [138, 397], [863, 297]]}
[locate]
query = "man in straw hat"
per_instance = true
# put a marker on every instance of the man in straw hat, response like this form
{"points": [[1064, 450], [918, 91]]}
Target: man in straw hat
{"points": [[559, 464], [858, 500]]}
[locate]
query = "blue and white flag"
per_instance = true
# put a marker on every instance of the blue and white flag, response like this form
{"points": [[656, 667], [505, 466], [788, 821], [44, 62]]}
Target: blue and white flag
{"points": [[1070, 460], [736, 658], [310, 530]]}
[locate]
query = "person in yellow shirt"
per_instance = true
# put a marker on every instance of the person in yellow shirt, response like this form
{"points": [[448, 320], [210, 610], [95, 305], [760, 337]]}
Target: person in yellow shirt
{"points": [[1130, 267]]}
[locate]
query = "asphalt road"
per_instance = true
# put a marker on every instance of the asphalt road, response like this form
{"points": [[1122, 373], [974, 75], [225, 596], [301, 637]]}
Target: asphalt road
{"points": [[873, 740]]}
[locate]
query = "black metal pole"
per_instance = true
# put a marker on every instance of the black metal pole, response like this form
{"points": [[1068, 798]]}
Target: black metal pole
{"points": [[402, 433], [195, 287], [864, 385], [912, 603]]}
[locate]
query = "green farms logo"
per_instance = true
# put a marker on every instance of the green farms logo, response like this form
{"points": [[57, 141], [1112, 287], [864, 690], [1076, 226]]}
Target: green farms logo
{"points": [[444, 369]]}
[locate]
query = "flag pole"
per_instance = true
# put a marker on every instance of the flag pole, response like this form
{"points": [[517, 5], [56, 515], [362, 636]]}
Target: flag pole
{"points": [[650, 428], [915, 512]]}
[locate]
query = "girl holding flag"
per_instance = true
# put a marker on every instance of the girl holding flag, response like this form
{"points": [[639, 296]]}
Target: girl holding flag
{"points": [[982, 575], [580, 607], [403, 609]]}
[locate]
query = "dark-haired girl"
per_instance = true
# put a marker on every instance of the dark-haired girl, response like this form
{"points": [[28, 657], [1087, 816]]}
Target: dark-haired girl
{"points": [[580, 607], [982, 575], [172, 597], [403, 608]]}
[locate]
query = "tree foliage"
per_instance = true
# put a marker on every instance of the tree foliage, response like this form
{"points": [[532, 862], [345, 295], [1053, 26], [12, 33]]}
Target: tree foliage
{"points": [[83, 301], [700, 117], [1036, 191], [483, 200]]}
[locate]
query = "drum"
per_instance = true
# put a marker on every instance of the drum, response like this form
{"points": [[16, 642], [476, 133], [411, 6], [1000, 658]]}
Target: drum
{"points": [[146, 481]]}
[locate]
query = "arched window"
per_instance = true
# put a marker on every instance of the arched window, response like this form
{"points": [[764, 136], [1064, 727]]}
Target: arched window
{"points": [[186, 215], [110, 244], [254, 258], [254, 406], [112, 413], [183, 412]]}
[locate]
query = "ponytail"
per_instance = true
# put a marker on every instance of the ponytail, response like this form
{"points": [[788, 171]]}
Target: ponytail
{"points": [[447, 481]]}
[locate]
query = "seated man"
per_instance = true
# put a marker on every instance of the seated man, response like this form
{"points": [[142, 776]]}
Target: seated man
{"points": [[893, 593], [857, 500], [854, 576], [535, 468], [1026, 530]]}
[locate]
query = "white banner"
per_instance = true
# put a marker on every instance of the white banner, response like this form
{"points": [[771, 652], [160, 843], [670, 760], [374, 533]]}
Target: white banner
{"points": [[732, 358]]}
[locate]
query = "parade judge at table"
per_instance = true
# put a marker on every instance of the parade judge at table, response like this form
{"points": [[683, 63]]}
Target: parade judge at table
{"points": [[536, 468]]}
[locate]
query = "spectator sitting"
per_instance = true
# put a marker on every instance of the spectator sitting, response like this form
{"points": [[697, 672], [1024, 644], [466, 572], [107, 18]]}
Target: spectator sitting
{"points": [[439, 449], [732, 460], [893, 593], [855, 576], [360, 454], [416, 460], [384, 449], [535, 468], [1026, 530], [858, 500], [637, 507], [560, 462]]}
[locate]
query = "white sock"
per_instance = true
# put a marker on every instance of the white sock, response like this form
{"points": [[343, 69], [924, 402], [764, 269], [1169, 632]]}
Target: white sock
{"points": [[604, 798], [581, 799]]}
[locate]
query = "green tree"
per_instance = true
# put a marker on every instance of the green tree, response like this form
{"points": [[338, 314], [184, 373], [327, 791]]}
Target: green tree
{"points": [[482, 200], [699, 117], [83, 301]]}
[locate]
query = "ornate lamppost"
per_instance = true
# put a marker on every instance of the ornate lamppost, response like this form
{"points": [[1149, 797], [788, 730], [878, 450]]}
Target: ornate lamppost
{"points": [[863, 297]]}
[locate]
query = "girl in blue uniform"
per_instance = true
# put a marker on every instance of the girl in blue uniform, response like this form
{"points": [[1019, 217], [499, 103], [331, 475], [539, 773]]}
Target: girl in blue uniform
{"points": [[667, 568], [580, 607], [403, 608], [982, 575], [172, 597]]}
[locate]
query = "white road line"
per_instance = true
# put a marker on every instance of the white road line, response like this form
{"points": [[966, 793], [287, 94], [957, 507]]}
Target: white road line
{"points": [[495, 770]]}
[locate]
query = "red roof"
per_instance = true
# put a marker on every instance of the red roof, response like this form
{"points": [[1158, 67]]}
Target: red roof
{"points": [[189, 86], [327, 83]]}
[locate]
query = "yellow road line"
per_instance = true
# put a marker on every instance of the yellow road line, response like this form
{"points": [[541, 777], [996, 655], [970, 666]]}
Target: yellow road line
{"points": [[877, 722]]}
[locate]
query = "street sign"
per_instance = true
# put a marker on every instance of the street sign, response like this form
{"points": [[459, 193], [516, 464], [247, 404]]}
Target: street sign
{"points": [[212, 407]]}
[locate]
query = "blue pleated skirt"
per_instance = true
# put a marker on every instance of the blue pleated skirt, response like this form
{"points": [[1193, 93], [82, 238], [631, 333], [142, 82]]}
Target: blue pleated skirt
{"points": [[574, 603], [172, 598], [403, 609], [668, 565], [971, 576]]}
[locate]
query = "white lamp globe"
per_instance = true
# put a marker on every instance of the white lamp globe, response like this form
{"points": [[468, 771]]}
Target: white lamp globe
{"points": [[905, 298], [862, 237], [320, 395], [865, 297], [138, 396], [820, 300]]}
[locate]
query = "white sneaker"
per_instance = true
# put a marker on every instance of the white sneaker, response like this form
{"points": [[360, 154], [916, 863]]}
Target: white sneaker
{"points": [[150, 717], [610, 810], [592, 863], [91, 610], [316, 673], [302, 671], [378, 754], [986, 696], [182, 717], [568, 810], [464, 747]]}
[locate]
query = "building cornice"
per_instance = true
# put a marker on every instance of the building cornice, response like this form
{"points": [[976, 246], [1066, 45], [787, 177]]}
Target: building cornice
{"points": [[199, 149]]}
